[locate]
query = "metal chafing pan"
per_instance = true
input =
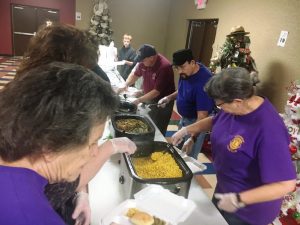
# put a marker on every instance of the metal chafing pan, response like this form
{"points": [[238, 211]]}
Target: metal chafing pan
{"points": [[132, 183], [194, 165], [133, 136]]}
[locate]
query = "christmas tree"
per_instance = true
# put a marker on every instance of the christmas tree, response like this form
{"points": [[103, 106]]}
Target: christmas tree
{"points": [[290, 210], [100, 26], [235, 52]]}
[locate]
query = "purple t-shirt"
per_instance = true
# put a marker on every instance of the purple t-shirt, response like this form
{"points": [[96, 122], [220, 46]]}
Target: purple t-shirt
{"points": [[159, 77], [249, 151], [191, 96], [22, 198]]}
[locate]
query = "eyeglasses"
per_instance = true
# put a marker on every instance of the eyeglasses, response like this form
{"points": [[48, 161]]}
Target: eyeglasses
{"points": [[219, 106]]}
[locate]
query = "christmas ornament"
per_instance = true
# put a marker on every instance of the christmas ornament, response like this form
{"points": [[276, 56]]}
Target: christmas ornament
{"points": [[290, 209]]}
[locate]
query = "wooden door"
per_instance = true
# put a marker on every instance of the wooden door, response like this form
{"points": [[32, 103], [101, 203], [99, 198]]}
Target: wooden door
{"points": [[25, 22], [201, 37]]}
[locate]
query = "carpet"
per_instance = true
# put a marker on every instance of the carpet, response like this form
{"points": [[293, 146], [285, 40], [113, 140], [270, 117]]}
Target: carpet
{"points": [[8, 67]]}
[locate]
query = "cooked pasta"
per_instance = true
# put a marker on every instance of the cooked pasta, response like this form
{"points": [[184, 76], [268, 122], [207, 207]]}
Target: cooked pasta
{"points": [[157, 165]]}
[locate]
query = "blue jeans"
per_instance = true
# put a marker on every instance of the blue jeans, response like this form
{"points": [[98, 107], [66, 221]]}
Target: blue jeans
{"points": [[200, 138], [230, 218]]}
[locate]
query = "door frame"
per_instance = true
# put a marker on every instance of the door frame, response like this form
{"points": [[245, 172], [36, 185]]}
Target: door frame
{"points": [[207, 25]]}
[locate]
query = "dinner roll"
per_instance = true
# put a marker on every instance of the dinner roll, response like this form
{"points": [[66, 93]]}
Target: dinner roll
{"points": [[142, 218]]}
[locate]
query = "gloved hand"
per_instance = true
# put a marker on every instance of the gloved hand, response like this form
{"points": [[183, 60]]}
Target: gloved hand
{"points": [[227, 202], [82, 211], [163, 102], [179, 135], [188, 145], [122, 145]]}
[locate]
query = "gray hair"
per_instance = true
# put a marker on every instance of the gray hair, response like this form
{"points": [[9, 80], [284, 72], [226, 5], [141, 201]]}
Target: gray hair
{"points": [[230, 84], [53, 106]]}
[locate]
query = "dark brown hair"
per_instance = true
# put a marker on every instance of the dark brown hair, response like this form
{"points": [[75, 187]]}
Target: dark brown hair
{"points": [[60, 42]]}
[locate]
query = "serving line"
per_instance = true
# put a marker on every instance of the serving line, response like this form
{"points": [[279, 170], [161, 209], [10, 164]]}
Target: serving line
{"points": [[105, 193]]}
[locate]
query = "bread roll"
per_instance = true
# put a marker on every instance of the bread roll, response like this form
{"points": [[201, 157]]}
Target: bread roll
{"points": [[142, 218]]}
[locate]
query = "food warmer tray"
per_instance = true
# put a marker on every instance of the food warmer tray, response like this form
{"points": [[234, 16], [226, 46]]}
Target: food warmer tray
{"points": [[131, 183]]}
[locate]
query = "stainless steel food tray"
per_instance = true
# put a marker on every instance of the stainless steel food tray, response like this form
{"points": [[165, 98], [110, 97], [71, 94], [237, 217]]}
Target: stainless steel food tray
{"points": [[194, 165]]}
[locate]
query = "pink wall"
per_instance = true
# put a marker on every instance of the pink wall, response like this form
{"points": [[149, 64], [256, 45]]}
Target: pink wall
{"points": [[66, 11]]}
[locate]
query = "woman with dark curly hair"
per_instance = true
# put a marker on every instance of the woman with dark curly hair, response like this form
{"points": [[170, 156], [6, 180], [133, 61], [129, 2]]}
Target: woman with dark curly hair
{"points": [[63, 43]]}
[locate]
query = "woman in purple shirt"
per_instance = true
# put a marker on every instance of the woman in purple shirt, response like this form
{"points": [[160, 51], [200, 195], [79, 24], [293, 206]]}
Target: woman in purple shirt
{"points": [[51, 119], [249, 148]]}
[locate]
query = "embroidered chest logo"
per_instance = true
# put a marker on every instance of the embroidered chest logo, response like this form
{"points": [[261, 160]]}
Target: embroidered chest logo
{"points": [[154, 76], [235, 143]]}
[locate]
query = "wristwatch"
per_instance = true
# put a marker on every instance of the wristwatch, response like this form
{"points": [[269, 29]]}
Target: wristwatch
{"points": [[240, 204]]}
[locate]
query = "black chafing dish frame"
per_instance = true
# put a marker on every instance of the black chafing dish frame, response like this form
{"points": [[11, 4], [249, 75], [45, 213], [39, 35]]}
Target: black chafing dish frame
{"points": [[147, 150], [135, 137]]}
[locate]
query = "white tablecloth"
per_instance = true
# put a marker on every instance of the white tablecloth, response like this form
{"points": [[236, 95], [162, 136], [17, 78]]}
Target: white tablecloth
{"points": [[105, 194]]}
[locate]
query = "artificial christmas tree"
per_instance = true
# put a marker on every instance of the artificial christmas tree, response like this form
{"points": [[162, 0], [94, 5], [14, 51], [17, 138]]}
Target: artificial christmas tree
{"points": [[290, 210], [100, 26], [235, 52]]}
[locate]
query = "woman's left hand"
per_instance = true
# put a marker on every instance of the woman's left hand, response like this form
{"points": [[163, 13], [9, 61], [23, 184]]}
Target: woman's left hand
{"points": [[82, 211]]}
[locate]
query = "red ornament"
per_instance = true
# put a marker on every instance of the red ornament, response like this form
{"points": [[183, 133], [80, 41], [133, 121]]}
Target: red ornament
{"points": [[293, 149]]}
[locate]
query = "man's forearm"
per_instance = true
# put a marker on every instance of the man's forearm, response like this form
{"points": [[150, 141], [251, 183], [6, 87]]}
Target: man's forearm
{"points": [[131, 79], [172, 96]]}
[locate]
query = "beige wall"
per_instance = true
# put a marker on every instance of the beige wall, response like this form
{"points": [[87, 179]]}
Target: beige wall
{"points": [[264, 20], [145, 20], [86, 9], [163, 23]]}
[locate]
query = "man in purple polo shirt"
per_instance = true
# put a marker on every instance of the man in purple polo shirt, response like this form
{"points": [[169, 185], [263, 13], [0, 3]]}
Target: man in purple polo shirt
{"points": [[158, 82]]}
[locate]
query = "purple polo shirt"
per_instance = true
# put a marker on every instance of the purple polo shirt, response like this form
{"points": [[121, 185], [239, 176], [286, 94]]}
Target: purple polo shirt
{"points": [[249, 151], [22, 198], [159, 77]]}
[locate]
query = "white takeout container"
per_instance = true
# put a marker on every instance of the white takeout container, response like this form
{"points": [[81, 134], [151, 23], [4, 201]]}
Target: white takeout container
{"points": [[156, 201]]}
